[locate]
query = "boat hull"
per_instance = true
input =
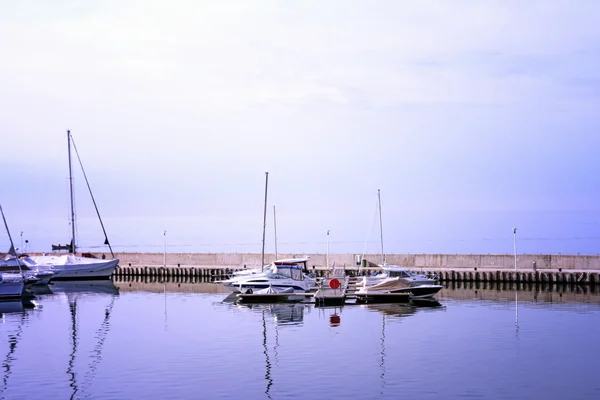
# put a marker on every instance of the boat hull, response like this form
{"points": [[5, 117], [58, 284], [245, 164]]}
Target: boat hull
{"points": [[10, 289], [423, 291]]}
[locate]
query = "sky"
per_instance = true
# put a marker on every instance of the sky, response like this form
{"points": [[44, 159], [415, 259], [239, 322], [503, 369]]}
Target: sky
{"points": [[472, 117]]}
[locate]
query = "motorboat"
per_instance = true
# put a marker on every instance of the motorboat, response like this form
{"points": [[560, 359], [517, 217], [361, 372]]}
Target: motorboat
{"points": [[285, 273], [395, 285], [404, 274], [28, 267]]}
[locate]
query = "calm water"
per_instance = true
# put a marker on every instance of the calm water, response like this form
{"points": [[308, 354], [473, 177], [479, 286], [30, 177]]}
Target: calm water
{"points": [[101, 340]]}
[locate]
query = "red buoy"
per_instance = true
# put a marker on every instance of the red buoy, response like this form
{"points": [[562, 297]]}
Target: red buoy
{"points": [[334, 284]]}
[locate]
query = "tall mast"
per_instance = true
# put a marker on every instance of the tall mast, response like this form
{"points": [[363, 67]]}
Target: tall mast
{"points": [[71, 194], [264, 220], [380, 227]]}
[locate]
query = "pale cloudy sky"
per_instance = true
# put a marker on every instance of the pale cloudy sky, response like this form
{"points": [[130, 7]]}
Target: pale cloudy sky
{"points": [[472, 117]]}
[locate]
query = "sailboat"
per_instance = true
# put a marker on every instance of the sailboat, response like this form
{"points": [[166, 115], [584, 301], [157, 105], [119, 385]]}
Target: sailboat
{"points": [[396, 279], [277, 279], [72, 266]]}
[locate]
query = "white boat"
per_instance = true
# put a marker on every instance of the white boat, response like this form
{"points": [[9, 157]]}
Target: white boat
{"points": [[11, 286], [28, 268], [397, 286], [71, 266], [279, 275], [403, 273], [285, 273]]}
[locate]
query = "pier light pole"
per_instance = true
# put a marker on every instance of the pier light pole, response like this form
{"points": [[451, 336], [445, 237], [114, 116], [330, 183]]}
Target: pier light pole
{"points": [[165, 251], [515, 239], [327, 257], [22, 251]]}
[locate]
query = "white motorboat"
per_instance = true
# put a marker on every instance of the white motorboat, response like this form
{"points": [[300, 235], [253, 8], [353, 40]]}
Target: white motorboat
{"points": [[397, 286], [71, 266], [404, 274], [28, 267], [286, 273]]}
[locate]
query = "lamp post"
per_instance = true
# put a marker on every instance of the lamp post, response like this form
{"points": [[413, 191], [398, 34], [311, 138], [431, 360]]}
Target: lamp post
{"points": [[327, 256], [515, 239], [165, 252], [21, 248]]}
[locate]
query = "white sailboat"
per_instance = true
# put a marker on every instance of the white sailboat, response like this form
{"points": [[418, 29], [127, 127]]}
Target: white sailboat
{"points": [[72, 266], [277, 278], [395, 279]]}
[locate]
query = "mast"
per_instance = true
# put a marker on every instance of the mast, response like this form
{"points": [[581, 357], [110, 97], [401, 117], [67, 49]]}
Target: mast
{"points": [[380, 227], [275, 226], [264, 221], [71, 194]]}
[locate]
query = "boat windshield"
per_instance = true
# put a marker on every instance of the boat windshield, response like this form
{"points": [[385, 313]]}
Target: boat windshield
{"points": [[287, 271], [399, 273]]}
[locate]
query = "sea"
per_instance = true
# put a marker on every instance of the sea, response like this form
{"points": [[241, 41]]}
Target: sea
{"points": [[134, 339]]}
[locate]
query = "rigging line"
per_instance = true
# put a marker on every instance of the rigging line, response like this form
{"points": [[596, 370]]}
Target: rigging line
{"points": [[370, 227], [93, 200]]}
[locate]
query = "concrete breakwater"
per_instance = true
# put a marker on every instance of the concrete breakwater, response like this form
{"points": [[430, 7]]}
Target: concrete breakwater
{"points": [[459, 262]]}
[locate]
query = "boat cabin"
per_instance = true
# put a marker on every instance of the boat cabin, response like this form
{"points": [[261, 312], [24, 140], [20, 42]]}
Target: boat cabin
{"points": [[284, 269]]}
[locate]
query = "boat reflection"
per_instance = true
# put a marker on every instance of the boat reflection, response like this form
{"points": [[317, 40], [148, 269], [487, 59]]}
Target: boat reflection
{"points": [[99, 286], [76, 293], [282, 313], [403, 310], [17, 306]]}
